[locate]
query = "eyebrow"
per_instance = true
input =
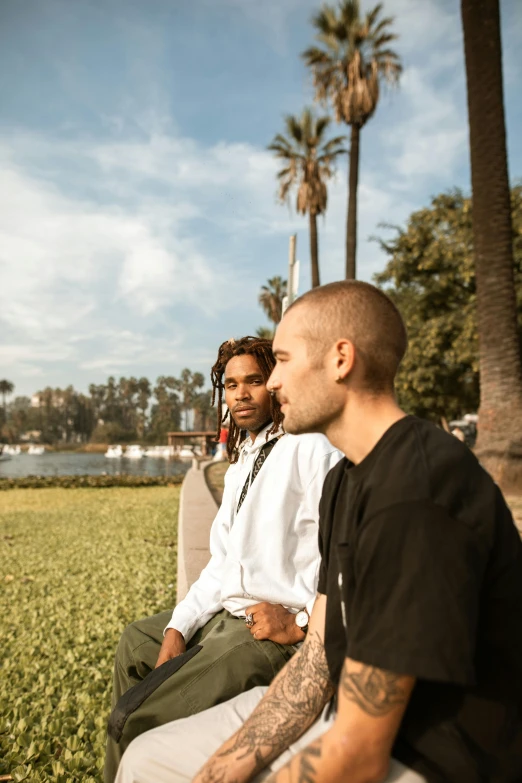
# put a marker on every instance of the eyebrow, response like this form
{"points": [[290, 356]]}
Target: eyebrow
{"points": [[280, 352], [253, 377]]}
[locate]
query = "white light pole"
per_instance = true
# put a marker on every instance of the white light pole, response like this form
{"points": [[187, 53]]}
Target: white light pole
{"points": [[293, 275]]}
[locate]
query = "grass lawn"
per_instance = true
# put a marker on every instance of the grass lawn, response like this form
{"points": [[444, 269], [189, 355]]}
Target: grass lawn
{"points": [[76, 566]]}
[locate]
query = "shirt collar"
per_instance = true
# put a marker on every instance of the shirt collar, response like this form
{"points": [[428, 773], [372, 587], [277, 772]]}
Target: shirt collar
{"points": [[247, 447]]}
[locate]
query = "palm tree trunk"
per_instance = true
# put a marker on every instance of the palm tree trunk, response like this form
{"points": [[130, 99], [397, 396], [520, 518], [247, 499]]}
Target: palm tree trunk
{"points": [[500, 427], [351, 219], [314, 249]]}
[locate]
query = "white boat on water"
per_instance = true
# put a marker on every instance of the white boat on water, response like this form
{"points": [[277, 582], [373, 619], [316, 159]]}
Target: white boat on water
{"points": [[134, 452], [161, 452], [36, 451], [114, 452], [187, 452], [13, 451]]}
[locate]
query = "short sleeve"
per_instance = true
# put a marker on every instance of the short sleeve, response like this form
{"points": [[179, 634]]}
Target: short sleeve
{"points": [[322, 582], [415, 594], [323, 565]]}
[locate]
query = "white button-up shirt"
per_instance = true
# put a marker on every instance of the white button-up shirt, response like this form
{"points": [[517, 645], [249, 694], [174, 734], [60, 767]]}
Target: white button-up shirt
{"points": [[268, 551]]}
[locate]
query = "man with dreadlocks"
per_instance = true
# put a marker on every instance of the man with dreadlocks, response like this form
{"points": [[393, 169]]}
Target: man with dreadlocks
{"points": [[245, 616]]}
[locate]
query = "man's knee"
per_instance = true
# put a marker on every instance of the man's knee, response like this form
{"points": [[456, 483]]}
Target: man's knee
{"points": [[126, 640], [150, 755], [132, 761]]}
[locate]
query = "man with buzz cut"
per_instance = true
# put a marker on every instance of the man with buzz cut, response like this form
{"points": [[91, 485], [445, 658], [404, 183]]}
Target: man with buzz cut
{"points": [[249, 610], [416, 632]]}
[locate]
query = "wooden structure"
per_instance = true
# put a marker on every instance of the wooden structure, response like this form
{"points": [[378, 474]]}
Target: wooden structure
{"points": [[206, 440]]}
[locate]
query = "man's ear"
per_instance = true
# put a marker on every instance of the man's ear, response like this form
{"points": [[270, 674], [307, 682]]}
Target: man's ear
{"points": [[344, 359]]}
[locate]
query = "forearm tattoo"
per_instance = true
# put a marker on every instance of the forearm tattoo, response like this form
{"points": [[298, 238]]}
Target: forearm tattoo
{"points": [[289, 707], [375, 691]]}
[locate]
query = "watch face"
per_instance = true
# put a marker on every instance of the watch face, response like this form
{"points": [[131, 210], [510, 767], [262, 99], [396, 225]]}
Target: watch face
{"points": [[301, 619]]}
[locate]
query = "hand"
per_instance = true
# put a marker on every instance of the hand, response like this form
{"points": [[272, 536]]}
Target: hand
{"points": [[173, 645], [274, 622]]}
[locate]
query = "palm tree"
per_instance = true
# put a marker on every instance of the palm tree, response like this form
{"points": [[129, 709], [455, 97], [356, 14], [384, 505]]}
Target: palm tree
{"points": [[500, 423], [309, 160], [271, 298], [347, 71], [6, 387], [265, 333]]}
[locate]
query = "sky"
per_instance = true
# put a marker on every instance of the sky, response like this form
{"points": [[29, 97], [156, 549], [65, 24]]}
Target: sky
{"points": [[138, 205]]}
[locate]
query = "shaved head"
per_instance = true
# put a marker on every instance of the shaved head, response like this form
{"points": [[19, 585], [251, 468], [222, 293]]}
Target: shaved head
{"points": [[363, 314]]}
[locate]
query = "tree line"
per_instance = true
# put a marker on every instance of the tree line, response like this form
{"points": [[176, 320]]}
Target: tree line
{"points": [[120, 410], [430, 275]]}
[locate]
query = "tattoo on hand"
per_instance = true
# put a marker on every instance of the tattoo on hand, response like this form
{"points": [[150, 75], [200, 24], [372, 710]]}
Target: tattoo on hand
{"points": [[375, 691]]}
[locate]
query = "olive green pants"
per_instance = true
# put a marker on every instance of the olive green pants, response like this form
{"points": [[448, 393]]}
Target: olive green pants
{"points": [[229, 662]]}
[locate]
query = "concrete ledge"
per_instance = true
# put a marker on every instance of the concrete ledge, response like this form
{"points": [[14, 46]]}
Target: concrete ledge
{"points": [[197, 510]]}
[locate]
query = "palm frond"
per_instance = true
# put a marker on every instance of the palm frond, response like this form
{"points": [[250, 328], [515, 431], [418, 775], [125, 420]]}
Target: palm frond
{"points": [[373, 14], [381, 27], [324, 19], [321, 125]]}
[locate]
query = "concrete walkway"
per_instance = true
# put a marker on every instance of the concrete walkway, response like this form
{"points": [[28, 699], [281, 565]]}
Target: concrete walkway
{"points": [[197, 509]]}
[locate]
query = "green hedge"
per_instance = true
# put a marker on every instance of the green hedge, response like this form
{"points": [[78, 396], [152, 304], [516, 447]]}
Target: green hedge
{"points": [[94, 482]]}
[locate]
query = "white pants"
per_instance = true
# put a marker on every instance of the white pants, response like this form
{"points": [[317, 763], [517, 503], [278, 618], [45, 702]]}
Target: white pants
{"points": [[174, 753]]}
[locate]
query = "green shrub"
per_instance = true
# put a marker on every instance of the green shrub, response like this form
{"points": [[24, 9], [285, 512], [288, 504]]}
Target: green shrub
{"points": [[75, 568], [95, 482]]}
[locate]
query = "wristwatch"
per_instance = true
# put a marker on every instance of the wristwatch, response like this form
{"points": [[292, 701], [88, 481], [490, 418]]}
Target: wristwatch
{"points": [[301, 620]]}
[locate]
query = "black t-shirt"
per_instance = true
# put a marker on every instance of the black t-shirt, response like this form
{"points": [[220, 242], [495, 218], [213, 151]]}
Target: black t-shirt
{"points": [[422, 568]]}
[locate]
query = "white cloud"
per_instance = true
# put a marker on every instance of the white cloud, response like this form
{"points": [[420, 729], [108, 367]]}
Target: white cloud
{"points": [[169, 223], [431, 139]]}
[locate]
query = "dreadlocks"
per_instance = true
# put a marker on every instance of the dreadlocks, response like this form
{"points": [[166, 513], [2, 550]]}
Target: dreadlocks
{"points": [[261, 349]]}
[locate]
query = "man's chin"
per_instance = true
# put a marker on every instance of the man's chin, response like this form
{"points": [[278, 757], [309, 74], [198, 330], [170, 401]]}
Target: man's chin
{"points": [[251, 424], [301, 428]]}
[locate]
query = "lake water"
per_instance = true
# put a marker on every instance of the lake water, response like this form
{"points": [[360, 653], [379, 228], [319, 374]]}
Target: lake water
{"points": [[73, 464]]}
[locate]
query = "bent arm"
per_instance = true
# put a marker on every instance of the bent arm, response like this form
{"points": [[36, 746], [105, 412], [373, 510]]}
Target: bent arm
{"points": [[290, 706], [357, 748], [203, 599]]}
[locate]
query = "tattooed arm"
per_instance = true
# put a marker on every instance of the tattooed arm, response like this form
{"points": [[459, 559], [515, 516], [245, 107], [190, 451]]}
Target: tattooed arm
{"points": [[289, 707], [358, 747]]}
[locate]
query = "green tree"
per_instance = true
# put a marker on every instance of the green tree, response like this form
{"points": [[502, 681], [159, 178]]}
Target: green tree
{"points": [[83, 417], [165, 413], [308, 162], [6, 387], [431, 277], [271, 298], [189, 384], [97, 394], [265, 333], [204, 412], [347, 68], [500, 427], [18, 415], [144, 394], [127, 409]]}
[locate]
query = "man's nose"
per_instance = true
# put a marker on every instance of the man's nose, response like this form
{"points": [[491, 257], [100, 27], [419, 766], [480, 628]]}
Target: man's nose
{"points": [[242, 391], [273, 383]]}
